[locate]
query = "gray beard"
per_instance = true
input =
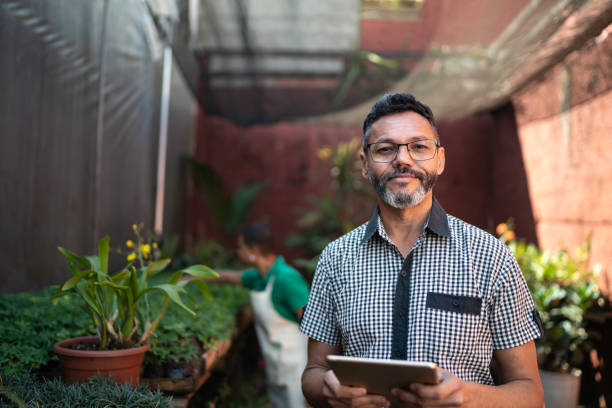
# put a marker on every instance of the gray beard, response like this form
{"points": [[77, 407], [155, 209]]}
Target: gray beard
{"points": [[402, 200]]}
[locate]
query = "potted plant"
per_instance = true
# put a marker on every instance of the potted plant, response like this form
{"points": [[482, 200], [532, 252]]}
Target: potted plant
{"points": [[119, 308], [563, 289]]}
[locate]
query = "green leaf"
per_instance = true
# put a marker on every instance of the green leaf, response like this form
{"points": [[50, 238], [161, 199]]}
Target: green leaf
{"points": [[155, 267], [94, 261], [200, 271], [103, 250], [173, 291], [111, 285], [212, 186], [241, 202], [73, 281], [75, 261], [203, 288], [121, 275]]}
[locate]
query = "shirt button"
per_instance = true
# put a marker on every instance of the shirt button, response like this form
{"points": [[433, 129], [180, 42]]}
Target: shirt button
{"points": [[455, 304], [403, 273]]}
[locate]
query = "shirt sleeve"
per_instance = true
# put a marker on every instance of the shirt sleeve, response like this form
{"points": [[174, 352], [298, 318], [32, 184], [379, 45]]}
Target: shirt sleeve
{"points": [[249, 278], [294, 290], [318, 321], [513, 318]]}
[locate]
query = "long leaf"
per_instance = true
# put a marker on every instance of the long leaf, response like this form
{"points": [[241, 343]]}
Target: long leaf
{"points": [[173, 293], [212, 187], [241, 202], [203, 288], [103, 250], [94, 261], [75, 261], [70, 283], [121, 275], [156, 267], [110, 284], [81, 288], [200, 271]]}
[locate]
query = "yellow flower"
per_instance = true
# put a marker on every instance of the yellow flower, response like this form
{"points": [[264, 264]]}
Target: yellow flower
{"points": [[129, 243], [324, 152], [145, 249], [135, 227], [501, 228], [508, 235], [131, 256], [155, 245]]}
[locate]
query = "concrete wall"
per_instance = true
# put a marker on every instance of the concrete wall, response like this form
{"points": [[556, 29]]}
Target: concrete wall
{"points": [[564, 128]]}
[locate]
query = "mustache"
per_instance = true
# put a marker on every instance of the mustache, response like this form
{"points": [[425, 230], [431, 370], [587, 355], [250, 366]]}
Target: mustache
{"points": [[404, 170]]}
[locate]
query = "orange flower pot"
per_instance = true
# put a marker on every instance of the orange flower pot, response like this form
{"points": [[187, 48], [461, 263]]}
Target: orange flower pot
{"points": [[80, 365]]}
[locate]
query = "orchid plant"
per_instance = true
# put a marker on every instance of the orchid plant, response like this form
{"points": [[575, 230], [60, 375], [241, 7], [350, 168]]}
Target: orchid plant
{"points": [[118, 303]]}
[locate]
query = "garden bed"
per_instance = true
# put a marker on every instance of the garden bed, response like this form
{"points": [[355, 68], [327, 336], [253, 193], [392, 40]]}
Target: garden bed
{"points": [[183, 350]]}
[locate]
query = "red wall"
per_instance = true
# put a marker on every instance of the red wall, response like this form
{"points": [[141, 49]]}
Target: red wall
{"points": [[564, 128], [484, 180]]}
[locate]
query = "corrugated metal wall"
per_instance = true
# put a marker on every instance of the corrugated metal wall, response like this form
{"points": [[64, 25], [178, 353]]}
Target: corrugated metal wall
{"points": [[50, 190]]}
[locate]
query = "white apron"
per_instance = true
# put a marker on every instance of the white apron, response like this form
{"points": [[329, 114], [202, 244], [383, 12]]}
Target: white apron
{"points": [[284, 349]]}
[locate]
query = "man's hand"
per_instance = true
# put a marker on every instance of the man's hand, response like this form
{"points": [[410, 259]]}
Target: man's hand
{"points": [[339, 395], [448, 393]]}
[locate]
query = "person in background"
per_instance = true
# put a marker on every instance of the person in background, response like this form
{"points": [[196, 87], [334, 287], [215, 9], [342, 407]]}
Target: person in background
{"points": [[278, 295]]}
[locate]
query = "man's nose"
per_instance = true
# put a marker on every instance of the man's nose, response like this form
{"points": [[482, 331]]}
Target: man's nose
{"points": [[403, 154]]}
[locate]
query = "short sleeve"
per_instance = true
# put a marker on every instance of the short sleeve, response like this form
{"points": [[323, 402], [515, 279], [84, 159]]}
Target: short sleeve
{"points": [[513, 318], [249, 278], [319, 316], [293, 289]]}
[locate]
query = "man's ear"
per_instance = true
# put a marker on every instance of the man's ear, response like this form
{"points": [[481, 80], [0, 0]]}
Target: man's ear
{"points": [[440, 160], [364, 165]]}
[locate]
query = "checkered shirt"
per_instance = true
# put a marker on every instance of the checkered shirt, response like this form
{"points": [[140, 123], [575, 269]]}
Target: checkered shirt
{"points": [[456, 297]]}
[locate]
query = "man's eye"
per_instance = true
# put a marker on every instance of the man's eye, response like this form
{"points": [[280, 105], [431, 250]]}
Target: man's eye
{"points": [[384, 149], [418, 146]]}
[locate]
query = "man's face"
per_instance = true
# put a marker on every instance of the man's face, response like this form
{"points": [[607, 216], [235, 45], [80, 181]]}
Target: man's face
{"points": [[403, 182]]}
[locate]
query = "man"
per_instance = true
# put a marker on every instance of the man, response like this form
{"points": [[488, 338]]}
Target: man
{"points": [[415, 283]]}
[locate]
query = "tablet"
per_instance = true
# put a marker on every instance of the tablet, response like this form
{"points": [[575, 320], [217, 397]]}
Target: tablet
{"points": [[379, 376]]}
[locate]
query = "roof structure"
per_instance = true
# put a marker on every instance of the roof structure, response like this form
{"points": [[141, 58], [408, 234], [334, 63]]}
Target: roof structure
{"points": [[472, 55], [460, 79]]}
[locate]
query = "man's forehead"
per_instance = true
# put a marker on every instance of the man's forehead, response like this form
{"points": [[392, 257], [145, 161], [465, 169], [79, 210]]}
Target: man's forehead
{"points": [[409, 124]]}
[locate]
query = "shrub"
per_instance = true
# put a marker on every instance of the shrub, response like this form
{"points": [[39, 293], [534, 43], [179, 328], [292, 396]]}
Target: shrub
{"points": [[25, 390], [563, 289], [30, 325]]}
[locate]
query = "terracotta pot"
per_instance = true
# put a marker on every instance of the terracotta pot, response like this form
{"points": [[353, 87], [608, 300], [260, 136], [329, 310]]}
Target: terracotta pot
{"points": [[80, 365], [560, 390]]}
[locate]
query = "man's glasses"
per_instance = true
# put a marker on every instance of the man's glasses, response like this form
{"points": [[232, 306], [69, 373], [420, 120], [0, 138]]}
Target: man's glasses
{"points": [[419, 150]]}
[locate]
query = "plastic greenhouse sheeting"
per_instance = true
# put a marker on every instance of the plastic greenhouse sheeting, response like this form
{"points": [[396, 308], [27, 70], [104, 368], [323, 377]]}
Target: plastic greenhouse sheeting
{"points": [[78, 150]]}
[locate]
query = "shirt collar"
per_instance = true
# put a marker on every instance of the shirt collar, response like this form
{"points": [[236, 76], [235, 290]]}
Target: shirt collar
{"points": [[437, 222]]}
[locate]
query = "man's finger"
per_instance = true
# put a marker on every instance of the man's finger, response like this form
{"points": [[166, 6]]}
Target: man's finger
{"points": [[405, 396]]}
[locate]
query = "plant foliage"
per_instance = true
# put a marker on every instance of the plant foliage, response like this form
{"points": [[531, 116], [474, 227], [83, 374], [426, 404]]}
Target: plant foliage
{"points": [[563, 289], [118, 304], [30, 325], [337, 211], [229, 210], [24, 390]]}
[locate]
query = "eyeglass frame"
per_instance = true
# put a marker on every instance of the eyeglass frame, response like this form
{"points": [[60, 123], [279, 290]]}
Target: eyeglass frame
{"points": [[437, 143]]}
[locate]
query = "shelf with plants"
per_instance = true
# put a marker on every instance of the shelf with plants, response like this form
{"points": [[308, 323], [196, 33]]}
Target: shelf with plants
{"points": [[30, 325]]}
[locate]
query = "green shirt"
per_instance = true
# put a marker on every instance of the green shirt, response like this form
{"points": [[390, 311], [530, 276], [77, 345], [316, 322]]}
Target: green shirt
{"points": [[290, 291]]}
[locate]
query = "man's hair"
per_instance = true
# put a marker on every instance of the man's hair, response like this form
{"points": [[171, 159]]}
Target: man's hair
{"points": [[396, 103], [258, 235]]}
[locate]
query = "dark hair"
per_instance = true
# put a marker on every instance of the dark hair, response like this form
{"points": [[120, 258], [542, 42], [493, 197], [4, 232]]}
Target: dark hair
{"points": [[258, 235], [396, 103]]}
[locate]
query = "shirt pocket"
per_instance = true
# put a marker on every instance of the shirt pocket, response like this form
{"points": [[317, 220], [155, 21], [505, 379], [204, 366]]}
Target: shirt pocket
{"points": [[452, 303], [456, 326]]}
